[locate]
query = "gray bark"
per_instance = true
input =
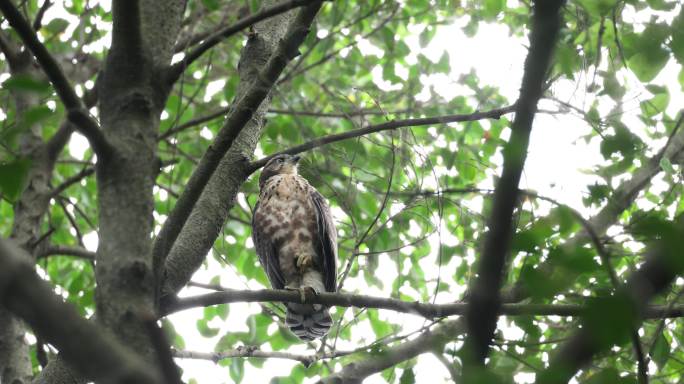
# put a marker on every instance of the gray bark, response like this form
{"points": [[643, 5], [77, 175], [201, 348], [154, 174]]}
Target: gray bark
{"points": [[132, 96], [211, 210]]}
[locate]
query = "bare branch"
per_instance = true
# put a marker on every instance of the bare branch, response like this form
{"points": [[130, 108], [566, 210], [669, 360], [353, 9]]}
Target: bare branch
{"points": [[67, 251], [94, 353], [482, 311], [431, 340], [85, 172], [177, 69], [343, 115], [194, 122], [38, 21], [77, 114], [427, 310], [315, 143], [253, 352]]}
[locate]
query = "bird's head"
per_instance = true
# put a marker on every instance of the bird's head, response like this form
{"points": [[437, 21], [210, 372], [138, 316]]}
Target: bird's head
{"points": [[279, 165]]}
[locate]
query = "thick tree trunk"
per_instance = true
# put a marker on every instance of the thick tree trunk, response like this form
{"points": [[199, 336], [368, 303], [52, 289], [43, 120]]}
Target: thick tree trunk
{"points": [[132, 95]]}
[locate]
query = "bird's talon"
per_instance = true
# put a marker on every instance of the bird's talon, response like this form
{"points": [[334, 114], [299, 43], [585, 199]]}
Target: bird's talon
{"points": [[304, 260]]}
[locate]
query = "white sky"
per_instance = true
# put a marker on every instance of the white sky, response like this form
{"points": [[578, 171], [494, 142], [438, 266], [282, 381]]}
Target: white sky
{"points": [[558, 166]]}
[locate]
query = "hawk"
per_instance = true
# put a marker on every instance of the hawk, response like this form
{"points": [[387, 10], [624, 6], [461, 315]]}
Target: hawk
{"points": [[296, 241]]}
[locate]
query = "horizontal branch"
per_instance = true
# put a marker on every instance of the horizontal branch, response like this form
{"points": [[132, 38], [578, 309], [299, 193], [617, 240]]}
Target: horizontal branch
{"points": [[427, 310], [253, 352], [222, 111], [341, 115], [394, 124], [91, 351], [66, 250], [177, 69], [76, 111]]}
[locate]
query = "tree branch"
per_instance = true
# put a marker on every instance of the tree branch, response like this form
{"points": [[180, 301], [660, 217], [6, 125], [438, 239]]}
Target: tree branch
{"points": [[193, 122], [427, 310], [253, 352], [38, 21], [85, 172], [395, 124], [481, 316], [67, 251], [91, 351], [76, 113], [242, 113], [177, 69]]}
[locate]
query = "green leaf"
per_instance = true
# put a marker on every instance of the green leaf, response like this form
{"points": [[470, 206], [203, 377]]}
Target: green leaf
{"points": [[493, 7], [36, 115], [407, 377], [645, 53], [14, 178], [443, 64], [598, 7], [666, 166], [677, 41], [426, 36], [205, 330], [211, 5], [660, 352], [26, 83], [237, 369], [610, 320], [56, 26]]}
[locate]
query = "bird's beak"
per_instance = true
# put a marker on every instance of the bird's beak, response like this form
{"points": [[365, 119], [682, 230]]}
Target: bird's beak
{"points": [[295, 159]]}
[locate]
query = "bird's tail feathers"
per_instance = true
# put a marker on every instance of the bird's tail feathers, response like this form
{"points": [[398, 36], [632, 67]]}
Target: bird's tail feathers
{"points": [[308, 323]]}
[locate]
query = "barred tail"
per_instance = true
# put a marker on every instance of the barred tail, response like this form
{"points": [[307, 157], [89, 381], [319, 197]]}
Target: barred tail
{"points": [[308, 322]]}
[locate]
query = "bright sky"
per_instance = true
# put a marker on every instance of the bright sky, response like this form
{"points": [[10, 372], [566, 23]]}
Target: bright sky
{"points": [[558, 165]]}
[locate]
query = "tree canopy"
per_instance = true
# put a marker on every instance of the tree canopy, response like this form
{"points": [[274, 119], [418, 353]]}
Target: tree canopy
{"points": [[505, 177]]}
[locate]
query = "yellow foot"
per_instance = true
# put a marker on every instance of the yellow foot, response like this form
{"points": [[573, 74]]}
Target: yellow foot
{"points": [[304, 260], [302, 292]]}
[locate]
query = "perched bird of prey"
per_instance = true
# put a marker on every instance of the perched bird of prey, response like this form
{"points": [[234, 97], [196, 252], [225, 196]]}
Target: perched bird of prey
{"points": [[296, 240]]}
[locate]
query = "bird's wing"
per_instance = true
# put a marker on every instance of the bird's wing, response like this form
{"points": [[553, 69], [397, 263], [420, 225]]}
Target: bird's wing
{"points": [[327, 240], [268, 255]]}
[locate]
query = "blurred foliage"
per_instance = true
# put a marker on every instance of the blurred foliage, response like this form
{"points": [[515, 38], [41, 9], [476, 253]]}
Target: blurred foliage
{"points": [[357, 68]]}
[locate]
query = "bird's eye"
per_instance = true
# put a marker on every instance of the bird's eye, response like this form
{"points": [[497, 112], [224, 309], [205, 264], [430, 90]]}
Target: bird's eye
{"points": [[281, 160]]}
